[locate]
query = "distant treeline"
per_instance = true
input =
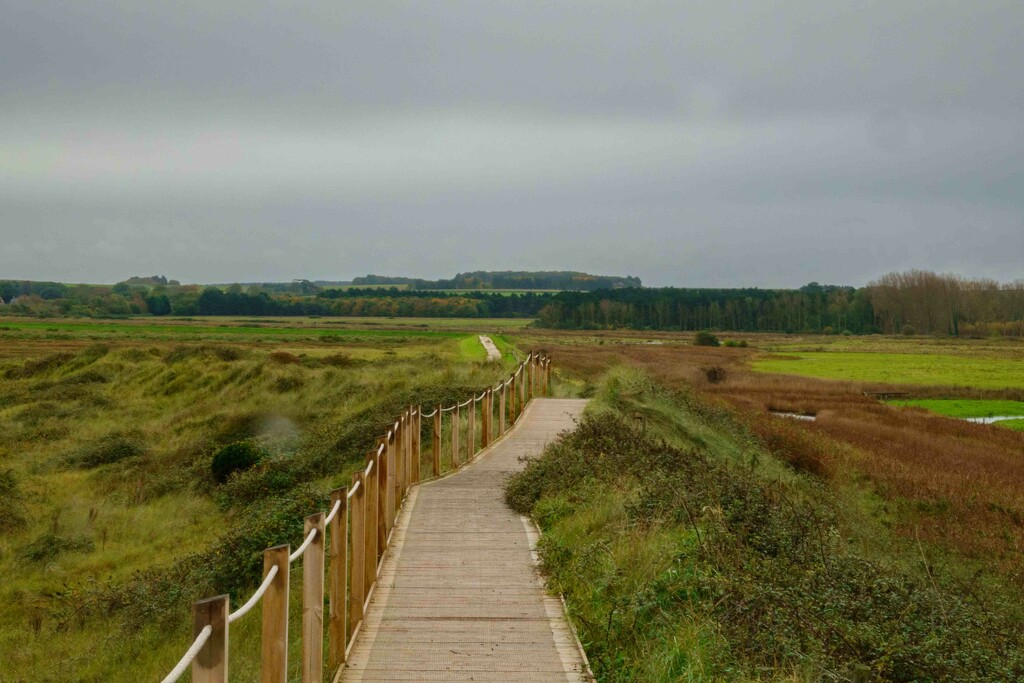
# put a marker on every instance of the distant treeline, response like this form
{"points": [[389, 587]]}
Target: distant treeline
{"points": [[812, 308], [480, 279], [915, 302]]}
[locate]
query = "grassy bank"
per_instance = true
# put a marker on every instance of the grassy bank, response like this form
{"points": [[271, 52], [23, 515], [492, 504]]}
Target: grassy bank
{"points": [[111, 518], [689, 548]]}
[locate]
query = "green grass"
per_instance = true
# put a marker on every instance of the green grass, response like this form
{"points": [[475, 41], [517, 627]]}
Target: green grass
{"points": [[144, 527], [966, 408], [900, 368], [1015, 425]]}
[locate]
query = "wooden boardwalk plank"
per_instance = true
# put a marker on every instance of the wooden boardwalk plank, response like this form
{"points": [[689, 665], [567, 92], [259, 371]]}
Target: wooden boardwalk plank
{"points": [[459, 597]]}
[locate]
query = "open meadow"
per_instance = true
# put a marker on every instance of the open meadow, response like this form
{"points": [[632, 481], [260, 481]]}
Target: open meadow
{"points": [[113, 516]]}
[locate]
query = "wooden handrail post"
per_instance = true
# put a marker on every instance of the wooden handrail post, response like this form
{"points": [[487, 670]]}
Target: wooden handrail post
{"points": [[337, 568], [483, 421], [501, 409], [390, 503], [513, 388], [400, 459], [436, 442], [522, 389], [547, 377], [356, 594], [471, 431], [274, 667], [417, 442], [372, 510], [382, 495], [408, 448], [455, 436], [313, 603], [211, 664]]}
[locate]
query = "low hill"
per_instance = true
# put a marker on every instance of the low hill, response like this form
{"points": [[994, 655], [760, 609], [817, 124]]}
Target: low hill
{"points": [[510, 279]]}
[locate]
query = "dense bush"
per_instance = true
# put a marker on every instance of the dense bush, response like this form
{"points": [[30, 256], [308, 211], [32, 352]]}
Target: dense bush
{"points": [[705, 338], [235, 457]]}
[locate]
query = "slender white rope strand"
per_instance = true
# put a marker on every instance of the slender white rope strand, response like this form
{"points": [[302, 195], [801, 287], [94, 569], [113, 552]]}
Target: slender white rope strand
{"points": [[334, 512], [244, 609], [190, 654], [302, 548]]}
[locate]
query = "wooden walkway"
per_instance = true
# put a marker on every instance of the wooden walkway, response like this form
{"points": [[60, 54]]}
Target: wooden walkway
{"points": [[459, 597]]}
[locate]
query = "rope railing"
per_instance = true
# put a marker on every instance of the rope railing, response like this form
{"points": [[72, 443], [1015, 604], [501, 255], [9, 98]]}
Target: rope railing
{"points": [[333, 512], [190, 654], [256, 597], [302, 548], [353, 537]]}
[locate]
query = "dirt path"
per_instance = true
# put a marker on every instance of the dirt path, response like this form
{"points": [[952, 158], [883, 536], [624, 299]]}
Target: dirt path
{"points": [[493, 353]]}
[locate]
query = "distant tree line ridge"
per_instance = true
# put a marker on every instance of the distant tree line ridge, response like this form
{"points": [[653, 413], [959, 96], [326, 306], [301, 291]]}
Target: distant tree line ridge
{"points": [[913, 302], [510, 279]]}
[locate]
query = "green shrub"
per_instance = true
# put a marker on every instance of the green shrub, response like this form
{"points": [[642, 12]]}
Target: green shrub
{"points": [[705, 338], [235, 457], [49, 545], [111, 448], [908, 330]]}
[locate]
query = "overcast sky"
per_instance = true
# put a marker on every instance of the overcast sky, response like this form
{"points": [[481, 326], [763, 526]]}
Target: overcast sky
{"points": [[689, 143]]}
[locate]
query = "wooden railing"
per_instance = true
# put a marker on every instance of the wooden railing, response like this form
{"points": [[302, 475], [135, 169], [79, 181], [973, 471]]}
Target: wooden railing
{"points": [[358, 525]]}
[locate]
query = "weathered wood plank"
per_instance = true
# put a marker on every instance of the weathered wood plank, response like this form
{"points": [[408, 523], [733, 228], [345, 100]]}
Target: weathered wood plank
{"points": [[459, 597]]}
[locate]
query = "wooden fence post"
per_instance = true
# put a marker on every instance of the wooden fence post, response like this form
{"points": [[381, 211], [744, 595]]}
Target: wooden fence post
{"points": [[390, 503], [483, 421], [547, 376], [417, 443], [501, 409], [409, 422], [471, 430], [400, 459], [513, 388], [371, 521], [455, 436], [436, 442], [381, 482], [522, 389], [211, 664], [356, 596], [274, 667], [313, 603], [338, 567]]}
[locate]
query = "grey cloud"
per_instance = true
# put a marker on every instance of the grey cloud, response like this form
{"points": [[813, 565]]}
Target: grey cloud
{"points": [[753, 143]]}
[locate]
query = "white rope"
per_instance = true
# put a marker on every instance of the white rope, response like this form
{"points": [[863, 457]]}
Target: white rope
{"points": [[197, 645], [352, 491], [432, 413], [302, 548], [380, 448], [334, 511], [465, 403], [447, 410], [244, 609], [415, 413], [480, 397], [369, 467]]}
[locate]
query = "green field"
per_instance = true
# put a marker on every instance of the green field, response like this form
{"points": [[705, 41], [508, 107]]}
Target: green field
{"points": [[965, 408], [934, 369], [1015, 425]]}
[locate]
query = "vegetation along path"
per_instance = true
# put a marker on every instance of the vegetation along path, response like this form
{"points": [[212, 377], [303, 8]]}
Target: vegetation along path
{"points": [[459, 596]]}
